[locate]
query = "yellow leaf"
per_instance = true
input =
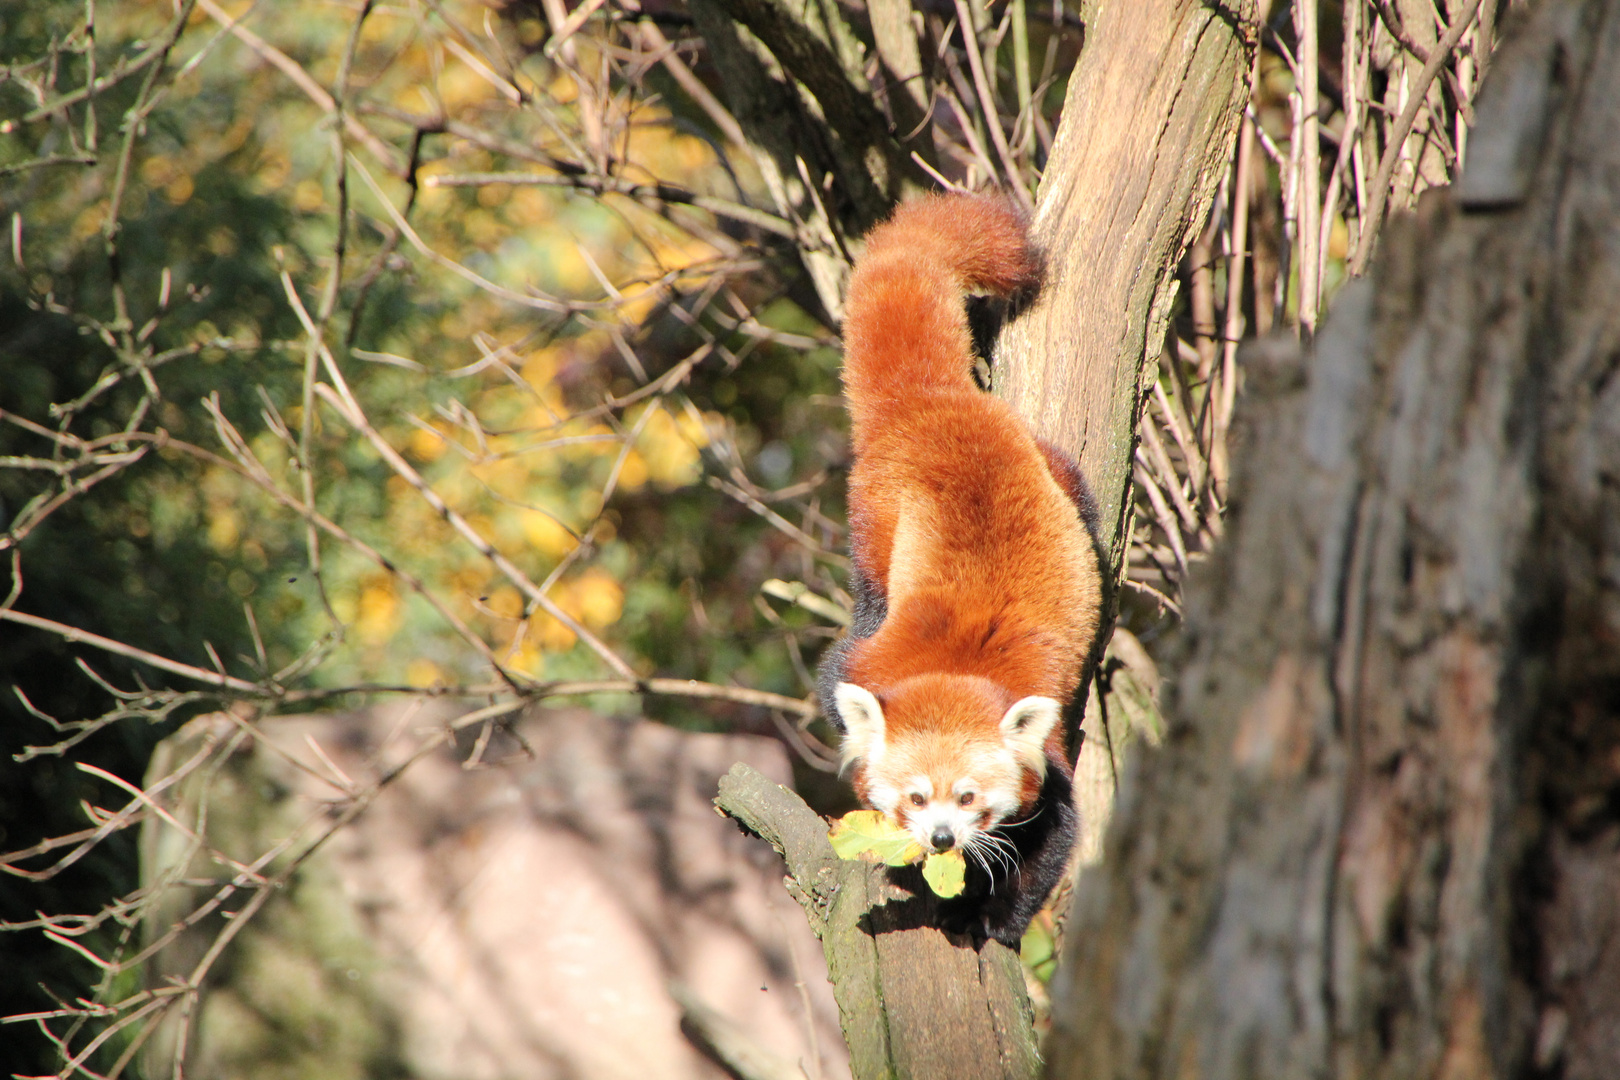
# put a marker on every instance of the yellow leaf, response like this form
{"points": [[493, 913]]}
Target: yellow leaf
{"points": [[633, 473], [544, 533], [179, 190], [670, 458], [224, 528], [426, 444], [505, 603], [380, 612], [422, 672], [596, 599], [870, 835], [945, 872]]}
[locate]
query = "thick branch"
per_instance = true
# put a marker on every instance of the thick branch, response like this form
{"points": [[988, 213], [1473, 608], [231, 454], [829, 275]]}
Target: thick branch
{"points": [[1148, 126], [913, 1002]]}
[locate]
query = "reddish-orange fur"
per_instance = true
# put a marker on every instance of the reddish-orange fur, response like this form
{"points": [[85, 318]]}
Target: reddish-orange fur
{"points": [[957, 522]]}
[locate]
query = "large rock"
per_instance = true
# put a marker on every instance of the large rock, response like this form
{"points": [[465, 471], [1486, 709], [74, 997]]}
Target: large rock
{"points": [[521, 919]]}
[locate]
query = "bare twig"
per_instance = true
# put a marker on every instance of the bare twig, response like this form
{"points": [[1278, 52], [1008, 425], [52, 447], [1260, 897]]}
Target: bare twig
{"points": [[1402, 127]]}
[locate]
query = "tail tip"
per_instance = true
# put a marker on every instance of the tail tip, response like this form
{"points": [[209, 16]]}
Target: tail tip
{"points": [[984, 238]]}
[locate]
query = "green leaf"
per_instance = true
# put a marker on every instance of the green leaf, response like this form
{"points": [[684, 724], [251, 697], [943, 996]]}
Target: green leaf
{"points": [[945, 872], [870, 835]]}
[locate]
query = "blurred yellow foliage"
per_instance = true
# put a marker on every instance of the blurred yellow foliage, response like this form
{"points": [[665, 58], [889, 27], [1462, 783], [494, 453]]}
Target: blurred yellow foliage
{"points": [[88, 223], [562, 89], [179, 190], [273, 172], [505, 602], [671, 448], [526, 236], [436, 200], [427, 444], [423, 673], [531, 31], [567, 267], [546, 535], [484, 228], [540, 366], [633, 473], [309, 196], [1339, 239], [221, 240], [224, 527], [461, 87], [453, 325], [663, 152], [379, 614], [158, 170], [528, 208], [595, 599], [525, 657], [550, 634]]}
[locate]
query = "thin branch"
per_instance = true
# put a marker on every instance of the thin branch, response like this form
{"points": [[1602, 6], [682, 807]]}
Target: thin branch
{"points": [[174, 667], [1398, 135]]}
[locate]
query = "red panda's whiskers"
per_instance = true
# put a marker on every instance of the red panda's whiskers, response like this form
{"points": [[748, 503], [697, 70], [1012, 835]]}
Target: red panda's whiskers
{"points": [[983, 846], [1011, 824], [1003, 847]]}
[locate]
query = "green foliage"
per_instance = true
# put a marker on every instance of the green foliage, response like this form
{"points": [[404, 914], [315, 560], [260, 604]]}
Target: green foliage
{"points": [[945, 872], [873, 835]]}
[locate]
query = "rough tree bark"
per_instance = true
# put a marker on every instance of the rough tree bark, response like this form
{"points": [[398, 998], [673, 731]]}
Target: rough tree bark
{"points": [[1149, 122], [912, 1004], [1383, 837]]}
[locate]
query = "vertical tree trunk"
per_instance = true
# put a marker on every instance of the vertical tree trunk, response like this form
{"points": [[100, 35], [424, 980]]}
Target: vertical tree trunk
{"points": [[1148, 127], [1383, 838]]}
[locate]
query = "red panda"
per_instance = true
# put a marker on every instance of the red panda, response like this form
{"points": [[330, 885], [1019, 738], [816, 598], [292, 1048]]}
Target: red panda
{"points": [[975, 572]]}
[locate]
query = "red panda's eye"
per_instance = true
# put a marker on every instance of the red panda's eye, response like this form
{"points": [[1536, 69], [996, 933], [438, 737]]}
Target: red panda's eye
{"points": [[966, 799], [918, 800]]}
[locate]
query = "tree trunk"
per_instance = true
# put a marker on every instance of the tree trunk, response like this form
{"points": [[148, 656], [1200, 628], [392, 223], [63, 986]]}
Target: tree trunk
{"points": [[1149, 123], [1383, 837]]}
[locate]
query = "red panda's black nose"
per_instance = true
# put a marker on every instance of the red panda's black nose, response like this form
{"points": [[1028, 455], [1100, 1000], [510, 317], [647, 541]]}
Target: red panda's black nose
{"points": [[942, 839]]}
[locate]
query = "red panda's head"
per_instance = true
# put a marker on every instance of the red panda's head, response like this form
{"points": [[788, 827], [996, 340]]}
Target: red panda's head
{"points": [[947, 757]]}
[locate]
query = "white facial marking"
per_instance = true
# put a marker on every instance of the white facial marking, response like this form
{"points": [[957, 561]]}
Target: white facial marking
{"points": [[884, 798], [919, 790], [929, 811], [1002, 805]]}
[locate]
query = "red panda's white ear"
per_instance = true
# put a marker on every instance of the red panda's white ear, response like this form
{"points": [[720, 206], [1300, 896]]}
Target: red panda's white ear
{"points": [[863, 722], [1025, 728]]}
